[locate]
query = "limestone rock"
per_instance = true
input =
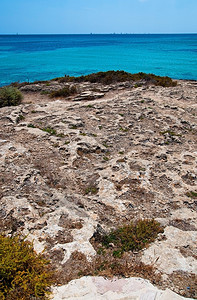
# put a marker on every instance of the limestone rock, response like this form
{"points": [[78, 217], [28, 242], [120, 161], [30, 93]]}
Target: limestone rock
{"points": [[98, 288], [67, 165]]}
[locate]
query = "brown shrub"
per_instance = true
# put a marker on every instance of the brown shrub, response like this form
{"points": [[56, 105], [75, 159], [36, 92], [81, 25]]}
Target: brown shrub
{"points": [[64, 92], [110, 77]]}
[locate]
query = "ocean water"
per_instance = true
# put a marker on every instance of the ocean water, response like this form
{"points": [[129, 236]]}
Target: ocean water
{"points": [[42, 57]]}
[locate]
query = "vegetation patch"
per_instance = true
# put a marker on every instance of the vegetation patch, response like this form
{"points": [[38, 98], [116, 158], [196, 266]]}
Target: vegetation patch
{"points": [[113, 256], [10, 96], [191, 194], [111, 77], [90, 106], [47, 129], [106, 265], [64, 92], [20, 118], [93, 190], [24, 274], [31, 125], [105, 158], [170, 133], [123, 129], [44, 92], [106, 145], [50, 130], [132, 237], [18, 84], [73, 127], [61, 135]]}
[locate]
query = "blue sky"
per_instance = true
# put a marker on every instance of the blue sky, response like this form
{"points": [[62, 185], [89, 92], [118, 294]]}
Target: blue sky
{"points": [[98, 16]]}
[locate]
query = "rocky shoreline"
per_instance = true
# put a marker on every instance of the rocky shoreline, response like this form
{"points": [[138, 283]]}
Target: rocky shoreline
{"points": [[100, 158]]}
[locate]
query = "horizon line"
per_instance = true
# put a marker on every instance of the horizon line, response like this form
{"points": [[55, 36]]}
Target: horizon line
{"points": [[92, 33]]}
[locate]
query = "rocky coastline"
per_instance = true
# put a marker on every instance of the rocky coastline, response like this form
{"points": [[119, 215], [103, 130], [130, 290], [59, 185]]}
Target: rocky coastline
{"points": [[103, 156]]}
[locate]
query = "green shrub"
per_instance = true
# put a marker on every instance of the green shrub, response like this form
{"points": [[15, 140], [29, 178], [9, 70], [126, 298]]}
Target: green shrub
{"points": [[91, 190], [50, 130], [31, 125], [24, 274], [133, 236], [10, 96], [44, 92], [20, 118], [191, 194]]}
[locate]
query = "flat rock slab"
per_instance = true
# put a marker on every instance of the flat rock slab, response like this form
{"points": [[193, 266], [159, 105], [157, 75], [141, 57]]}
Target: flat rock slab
{"points": [[89, 288]]}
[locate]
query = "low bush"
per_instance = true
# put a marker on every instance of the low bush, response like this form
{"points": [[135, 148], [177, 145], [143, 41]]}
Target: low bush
{"points": [[110, 77], [24, 274], [191, 194], [91, 190], [18, 84], [132, 237], [64, 92], [10, 96], [50, 130], [113, 257]]}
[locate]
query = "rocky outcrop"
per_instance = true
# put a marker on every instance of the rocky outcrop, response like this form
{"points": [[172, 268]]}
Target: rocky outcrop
{"points": [[67, 165], [98, 288]]}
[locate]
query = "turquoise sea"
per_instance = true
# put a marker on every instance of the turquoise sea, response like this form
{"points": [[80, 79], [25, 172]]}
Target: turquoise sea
{"points": [[40, 57]]}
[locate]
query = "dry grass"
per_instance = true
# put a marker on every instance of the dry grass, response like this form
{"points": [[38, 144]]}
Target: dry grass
{"points": [[114, 256], [104, 264]]}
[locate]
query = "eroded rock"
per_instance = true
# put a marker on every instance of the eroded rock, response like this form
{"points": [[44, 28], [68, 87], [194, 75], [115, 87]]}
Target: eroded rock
{"points": [[67, 165]]}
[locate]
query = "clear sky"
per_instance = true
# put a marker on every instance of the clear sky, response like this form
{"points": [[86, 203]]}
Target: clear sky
{"points": [[98, 16]]}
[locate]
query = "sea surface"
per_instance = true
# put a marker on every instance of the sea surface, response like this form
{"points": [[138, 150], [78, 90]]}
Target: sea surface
{"points": [[42, 57]]}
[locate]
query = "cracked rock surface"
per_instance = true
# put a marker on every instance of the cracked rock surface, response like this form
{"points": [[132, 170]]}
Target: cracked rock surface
{"points": [[110, 155]]}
